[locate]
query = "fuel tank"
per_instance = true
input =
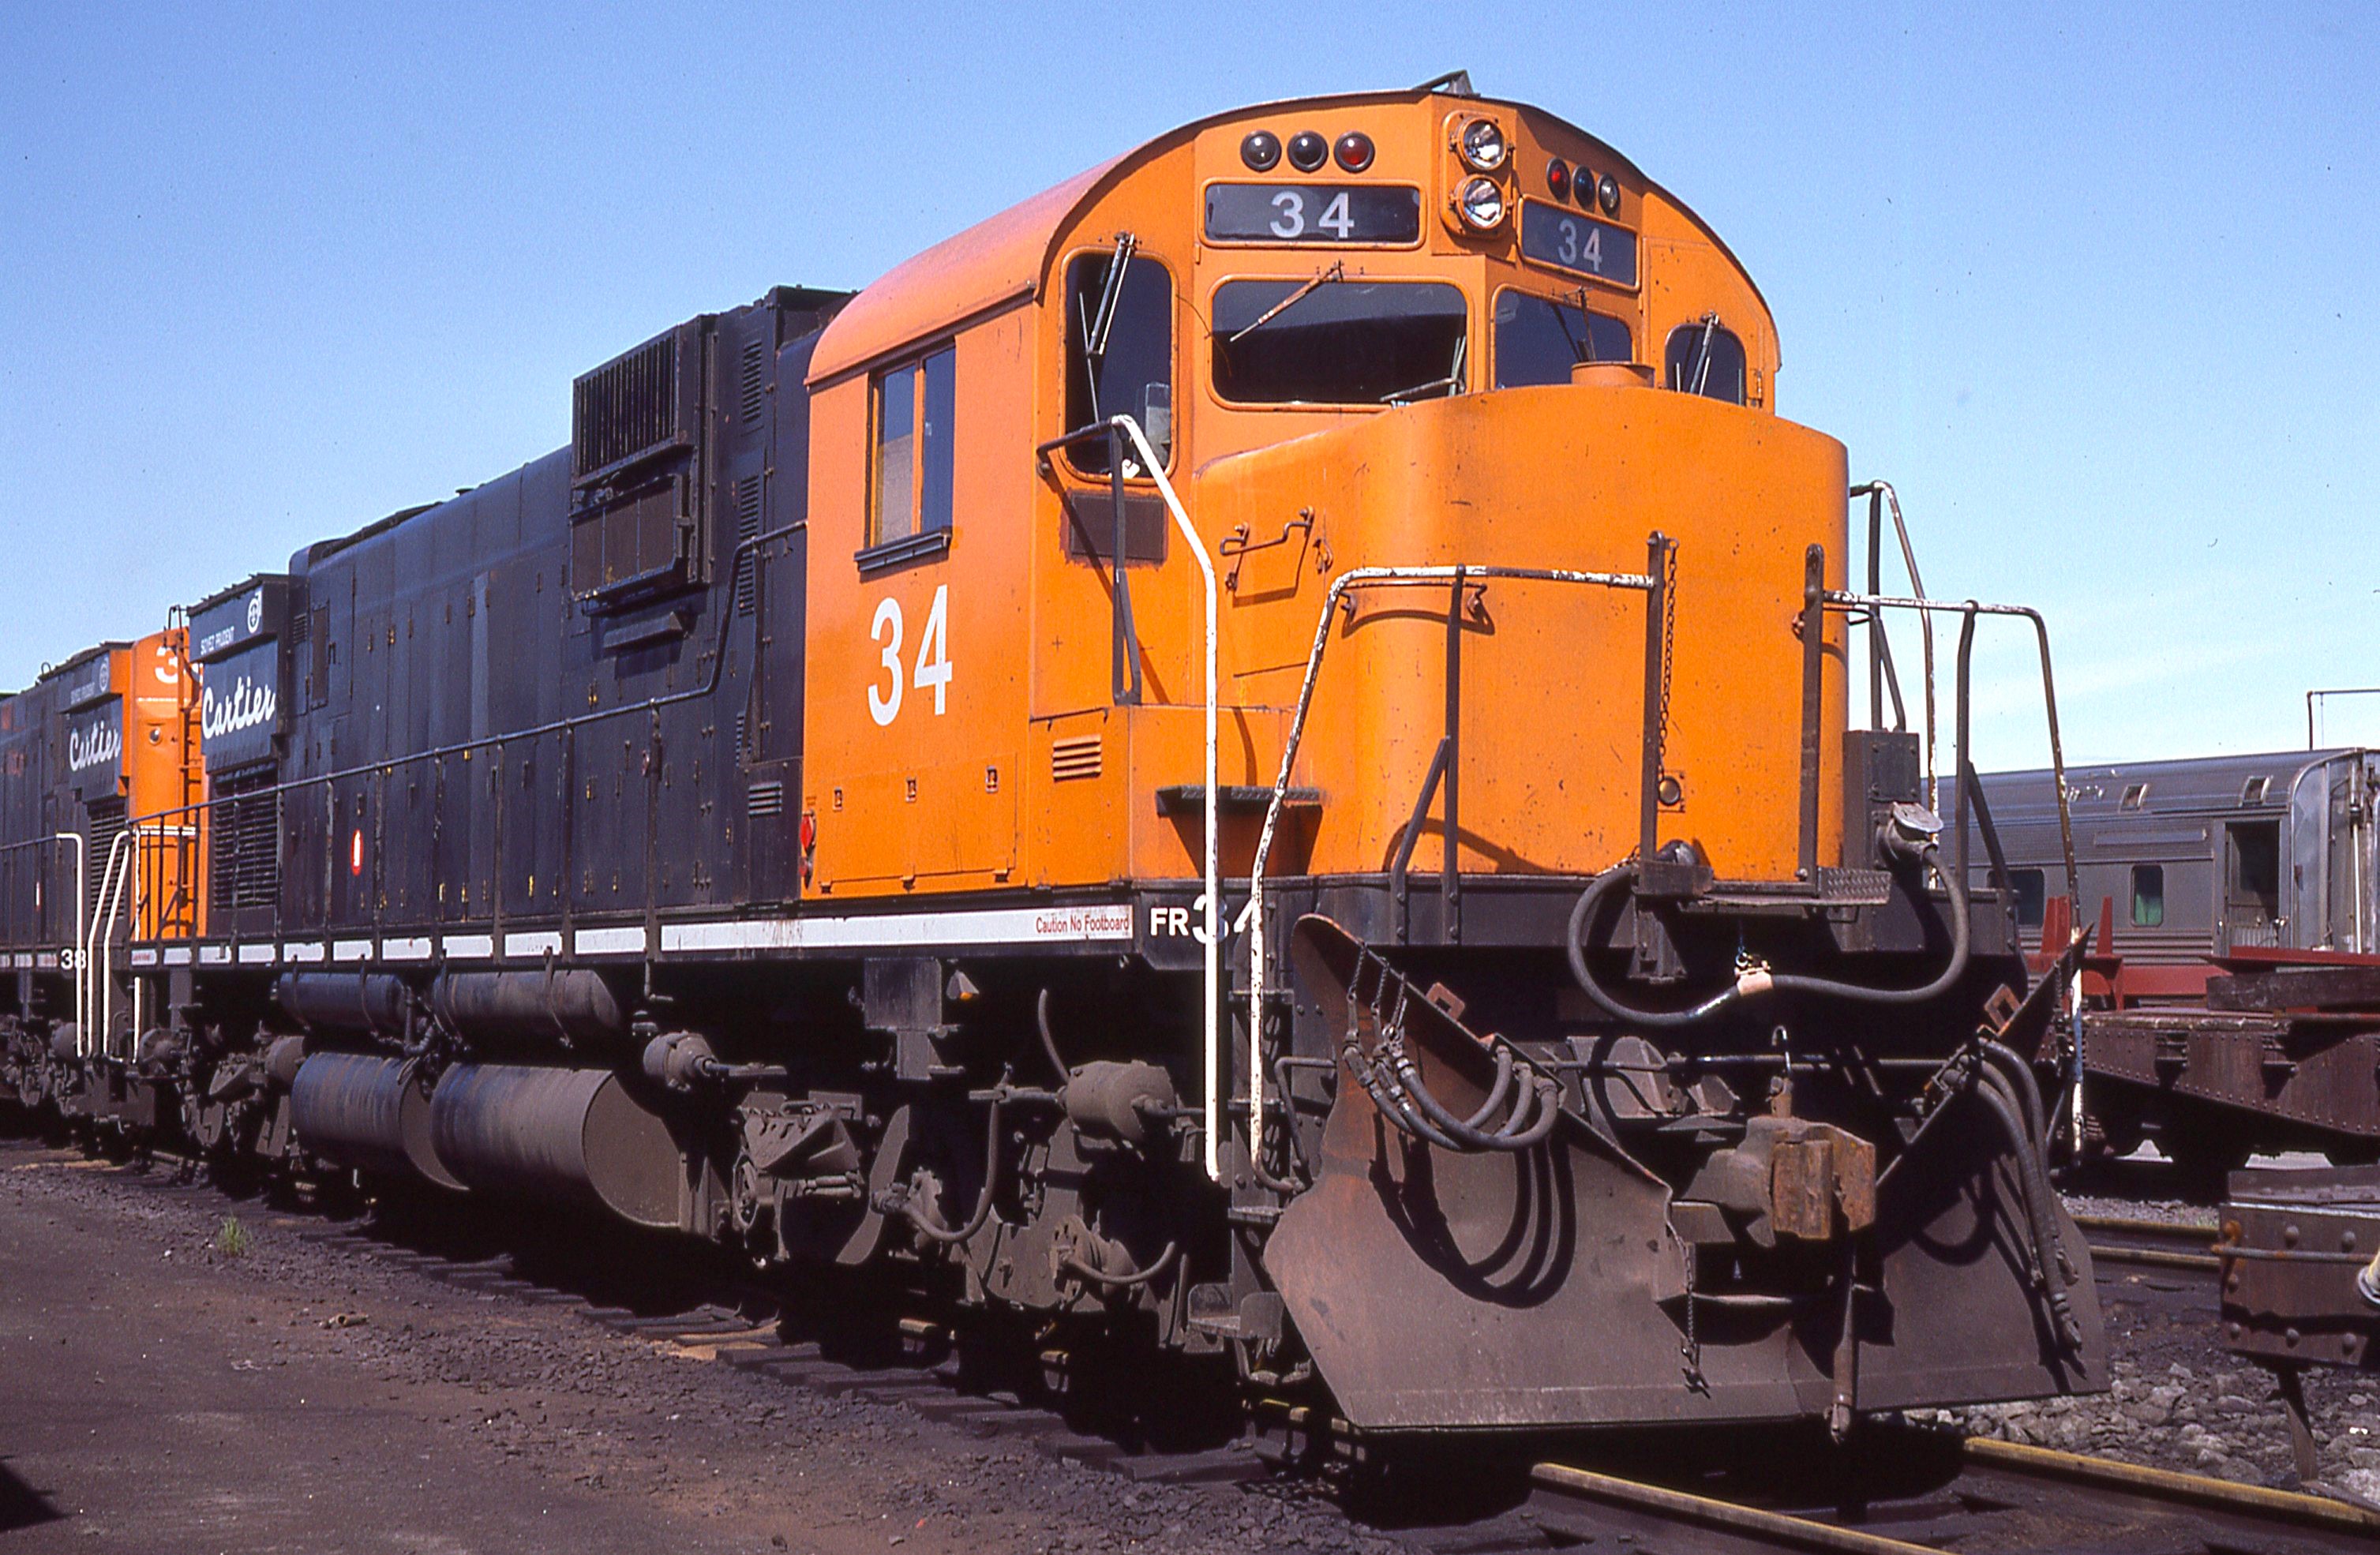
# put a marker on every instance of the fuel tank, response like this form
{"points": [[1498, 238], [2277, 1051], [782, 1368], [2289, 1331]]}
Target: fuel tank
{"points": [[369, 1112], [572, 1135]]}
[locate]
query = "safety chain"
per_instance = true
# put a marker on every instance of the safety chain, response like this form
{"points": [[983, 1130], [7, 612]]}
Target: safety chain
{"points": [[1692, 1350], [1669, 632]]}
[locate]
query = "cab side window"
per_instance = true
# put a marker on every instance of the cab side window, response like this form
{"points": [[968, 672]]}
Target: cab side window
{"points": [[911, 465], [1118, 352], [1704, 358]]}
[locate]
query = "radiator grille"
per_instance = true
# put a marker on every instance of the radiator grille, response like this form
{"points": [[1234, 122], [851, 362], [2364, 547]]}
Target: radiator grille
{"points": [[1076, 757], [765, 798], [626, 409], [245, 857]]}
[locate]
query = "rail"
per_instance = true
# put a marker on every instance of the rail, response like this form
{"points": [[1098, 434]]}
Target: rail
{"points": [[1342, 587], [1969, 611], [1130, 429]]}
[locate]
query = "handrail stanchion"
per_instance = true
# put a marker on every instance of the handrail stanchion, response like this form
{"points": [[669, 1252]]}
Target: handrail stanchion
{"points": [[1354, 578], [1214, 872]]}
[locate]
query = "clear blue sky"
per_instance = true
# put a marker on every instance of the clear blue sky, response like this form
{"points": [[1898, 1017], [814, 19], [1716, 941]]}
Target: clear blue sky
{"points": [[2097, 292]]}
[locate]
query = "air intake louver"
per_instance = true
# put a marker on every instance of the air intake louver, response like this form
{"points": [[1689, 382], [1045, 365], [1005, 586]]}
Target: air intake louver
{"points": [[1076, 757], [765, 798], [245, 833]]}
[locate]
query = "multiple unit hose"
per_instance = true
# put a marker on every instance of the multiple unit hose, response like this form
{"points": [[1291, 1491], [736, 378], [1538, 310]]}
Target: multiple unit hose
{"points": [[1395, 1084], [2005, 1085], [1761, 981]]}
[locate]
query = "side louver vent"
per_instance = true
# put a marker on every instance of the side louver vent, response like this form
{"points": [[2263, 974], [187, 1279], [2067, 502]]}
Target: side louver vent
{"points": [[754, 398], [765, 798], [1076, 757], [746, 494]]}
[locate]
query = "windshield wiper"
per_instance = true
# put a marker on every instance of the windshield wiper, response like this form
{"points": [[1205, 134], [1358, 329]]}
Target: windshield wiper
{"points": [[1698, 367], [1337, 272], [1445, 387], [1582, 350], [1100, 321]]}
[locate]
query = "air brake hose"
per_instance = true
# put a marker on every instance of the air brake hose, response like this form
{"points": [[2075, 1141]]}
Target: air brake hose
{"points": [[1165, 1259], [1761, 982], [2000, 1097], [933, 1230]]}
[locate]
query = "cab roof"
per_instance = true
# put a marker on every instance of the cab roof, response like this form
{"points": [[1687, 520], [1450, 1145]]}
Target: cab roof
{"points": [[1002, 259]]}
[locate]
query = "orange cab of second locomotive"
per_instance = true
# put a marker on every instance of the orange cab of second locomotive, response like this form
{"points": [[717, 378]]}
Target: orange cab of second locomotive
{"points": [[126, 758], [1387, 331]]}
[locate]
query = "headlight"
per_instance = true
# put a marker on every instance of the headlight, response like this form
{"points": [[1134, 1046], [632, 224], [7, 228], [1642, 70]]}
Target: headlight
{"points": [[1607, 193], [1483, 145], [1483, 203]]}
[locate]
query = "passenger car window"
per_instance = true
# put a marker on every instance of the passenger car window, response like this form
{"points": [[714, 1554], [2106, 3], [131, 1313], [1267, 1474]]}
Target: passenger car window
{"points": [[2148, 895], [911, 483], [1333, 342], [1132, 373], [1704, 358], [2032, 894], [1539, 340]]}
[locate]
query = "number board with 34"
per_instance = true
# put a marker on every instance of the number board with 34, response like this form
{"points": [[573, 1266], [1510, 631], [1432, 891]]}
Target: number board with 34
{"points": [[1373, 213], [1579, 244]]}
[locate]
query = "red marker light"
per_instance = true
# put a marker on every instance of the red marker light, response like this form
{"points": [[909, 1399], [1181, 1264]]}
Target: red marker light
{"points": [[1353, 150], [808, 830], [1557, 178], [356, 853]]}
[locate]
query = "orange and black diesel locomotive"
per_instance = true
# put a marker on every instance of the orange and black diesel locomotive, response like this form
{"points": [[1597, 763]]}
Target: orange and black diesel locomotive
{"points": [[1254, 753]]}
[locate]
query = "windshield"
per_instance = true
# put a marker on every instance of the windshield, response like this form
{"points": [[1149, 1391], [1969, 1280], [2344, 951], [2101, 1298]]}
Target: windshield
{"points": [[1342, 343], [1538, 340]]}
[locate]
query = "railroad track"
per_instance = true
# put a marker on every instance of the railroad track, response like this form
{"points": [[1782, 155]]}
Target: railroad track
{"points": [[1905, 1489], [1965, 1495], [2181, 1249]]}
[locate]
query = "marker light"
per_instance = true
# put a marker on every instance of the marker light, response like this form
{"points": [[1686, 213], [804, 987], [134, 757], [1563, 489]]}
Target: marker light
{"points": [[1483, 145], [1584, 184], [1557, 178], [1353, 150], [1260, 150], [1306, 151], [1608, 191], [1483, 203]]}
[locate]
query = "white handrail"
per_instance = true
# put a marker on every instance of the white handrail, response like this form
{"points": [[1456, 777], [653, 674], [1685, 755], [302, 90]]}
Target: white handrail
{"points": [[82, 886], [1214, 872], [1352, 579], [111, 895]]}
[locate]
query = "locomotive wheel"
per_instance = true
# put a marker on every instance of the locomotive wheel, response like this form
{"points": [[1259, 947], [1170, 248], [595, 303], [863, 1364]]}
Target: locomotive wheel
{"points": [[2203, 1159], [2113, 1133]]}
